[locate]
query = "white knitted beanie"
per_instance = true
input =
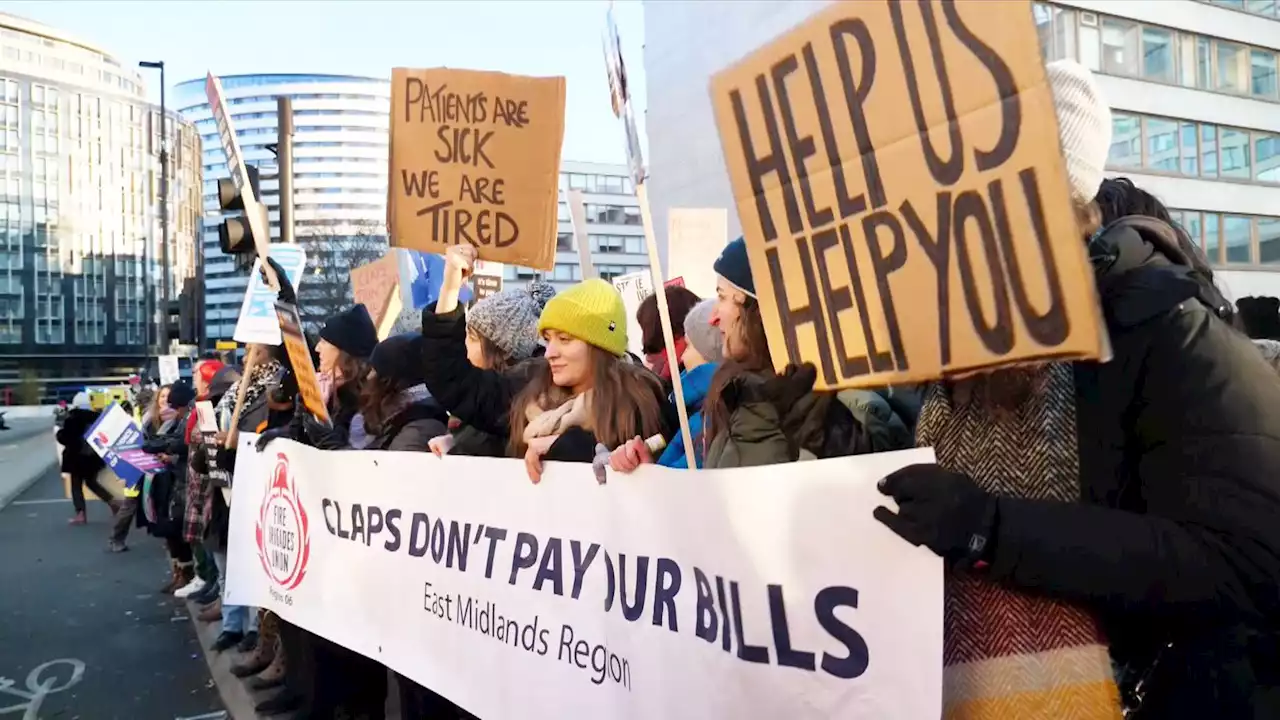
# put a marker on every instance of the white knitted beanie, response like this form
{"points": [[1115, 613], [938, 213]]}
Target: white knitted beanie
{"points": [[1084, 126]]}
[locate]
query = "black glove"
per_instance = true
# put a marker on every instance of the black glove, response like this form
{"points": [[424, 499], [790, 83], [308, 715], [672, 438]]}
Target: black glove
{"points": [[287, 294], [942, 510], [322, 436], [200, 461], [226, 459], [266, 437], [783, 391]]}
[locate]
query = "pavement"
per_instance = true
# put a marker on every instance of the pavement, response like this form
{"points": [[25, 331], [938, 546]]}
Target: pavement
{"points": [[83, 633]]}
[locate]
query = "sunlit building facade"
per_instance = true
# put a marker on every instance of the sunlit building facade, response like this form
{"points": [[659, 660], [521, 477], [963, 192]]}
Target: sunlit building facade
{"points": [[80, 231]]}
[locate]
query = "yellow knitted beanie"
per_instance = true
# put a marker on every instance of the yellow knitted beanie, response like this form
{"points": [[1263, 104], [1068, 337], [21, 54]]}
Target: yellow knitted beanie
{"points": [[591, 311]]}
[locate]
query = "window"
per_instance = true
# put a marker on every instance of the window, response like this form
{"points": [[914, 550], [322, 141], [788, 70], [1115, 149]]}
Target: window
{"points": [[1162, 144], [1157, 55], [1211, 244], [1263, 7], [1187, 143], [1235, 150], [1119, 47], [1269, 240], [1187, 60], [1235, 233], [1231, 74], [1263, 76], [1209, 150], [1266, 157], [1193, 223], [1126, 142], [564, 241]]}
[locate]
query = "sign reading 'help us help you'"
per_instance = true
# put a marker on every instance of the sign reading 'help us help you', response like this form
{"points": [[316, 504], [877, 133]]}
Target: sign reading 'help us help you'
{"points": [[902, 195], [475, 158]]}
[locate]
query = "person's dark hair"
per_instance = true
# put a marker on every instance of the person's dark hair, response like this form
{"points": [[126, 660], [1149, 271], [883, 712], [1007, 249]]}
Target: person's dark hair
{"points": [[625, 401], [354, 371], [680, 301], [757, 359], [379, 397], [1120, 197], [498, 360]]}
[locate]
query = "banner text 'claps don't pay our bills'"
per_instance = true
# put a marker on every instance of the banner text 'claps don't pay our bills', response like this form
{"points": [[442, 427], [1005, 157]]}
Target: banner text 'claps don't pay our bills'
{"points": [[475, 158], [652, 596], [898, 179]]}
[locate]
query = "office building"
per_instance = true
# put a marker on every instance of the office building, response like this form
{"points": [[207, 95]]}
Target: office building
{"points": [[82, 265], [340, 179], [1193, 88], [613, 226]]}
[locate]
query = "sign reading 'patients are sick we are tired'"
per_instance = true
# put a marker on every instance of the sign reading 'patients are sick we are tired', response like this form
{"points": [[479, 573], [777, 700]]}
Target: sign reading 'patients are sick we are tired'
{"points": [[475, 158], [897, 174]]}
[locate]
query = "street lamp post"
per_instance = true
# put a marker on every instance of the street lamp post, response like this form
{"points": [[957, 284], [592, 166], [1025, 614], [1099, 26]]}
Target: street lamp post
{"points": [[164, 203]]}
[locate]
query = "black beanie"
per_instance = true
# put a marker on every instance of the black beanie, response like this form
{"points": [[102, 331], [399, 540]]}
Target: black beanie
{"points": [[352, 332], [399, 357], [732, 265], [181, 394]]}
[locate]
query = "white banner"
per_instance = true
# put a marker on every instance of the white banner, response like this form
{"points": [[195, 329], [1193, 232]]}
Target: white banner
{"points": [[754, 593]]}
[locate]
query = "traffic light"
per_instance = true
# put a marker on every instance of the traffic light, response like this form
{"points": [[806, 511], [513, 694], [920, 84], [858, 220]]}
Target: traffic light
{"points": [[235, 235]]}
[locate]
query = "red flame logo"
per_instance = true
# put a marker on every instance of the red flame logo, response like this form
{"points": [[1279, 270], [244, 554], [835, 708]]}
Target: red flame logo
{"points": [[282, 491]]}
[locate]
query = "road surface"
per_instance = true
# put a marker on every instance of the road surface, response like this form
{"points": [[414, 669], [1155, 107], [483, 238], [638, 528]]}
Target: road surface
{"points": [[82, 623]]}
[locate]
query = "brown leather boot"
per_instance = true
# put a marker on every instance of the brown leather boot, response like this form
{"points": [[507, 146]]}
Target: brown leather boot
{"points": [[179, 575], [273, 676], [264, 654], [213, 613]]}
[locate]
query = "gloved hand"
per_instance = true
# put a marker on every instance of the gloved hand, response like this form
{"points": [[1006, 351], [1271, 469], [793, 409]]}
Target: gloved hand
{"points": [[226, 459], [942, 510], [783, 391], [266, 437], [322, 436], [287, 293]]}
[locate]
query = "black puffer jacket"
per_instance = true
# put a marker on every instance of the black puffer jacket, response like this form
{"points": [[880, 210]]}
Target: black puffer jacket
{"points": [[77, 457], [1178, 541], [480, 398]]}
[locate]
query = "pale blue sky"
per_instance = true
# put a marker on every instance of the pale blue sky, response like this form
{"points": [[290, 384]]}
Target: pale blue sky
{"points": [[369, 37]]}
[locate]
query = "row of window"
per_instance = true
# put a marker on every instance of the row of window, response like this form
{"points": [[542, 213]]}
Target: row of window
{"points": [[1233, 239], [621, 244], [1266, 8], [1182, 147], [592, 183], [1116, 46], [208, 123], [607, 214]]}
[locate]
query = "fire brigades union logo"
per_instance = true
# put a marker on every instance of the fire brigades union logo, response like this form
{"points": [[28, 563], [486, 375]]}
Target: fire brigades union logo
{"points": [[284, 545]]}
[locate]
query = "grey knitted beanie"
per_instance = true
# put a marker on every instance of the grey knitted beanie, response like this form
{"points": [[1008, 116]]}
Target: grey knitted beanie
{"points": [[702, 335], [509, 319], [1084, 126]]}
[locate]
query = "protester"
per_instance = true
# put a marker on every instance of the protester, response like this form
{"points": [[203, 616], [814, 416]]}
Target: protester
{"points": [[474, 361], [346, 341], [198, 506], [157, 412], [167, 495], [80, 461], [1127, 506], [680, 300], [396, 411], [703, 353]]}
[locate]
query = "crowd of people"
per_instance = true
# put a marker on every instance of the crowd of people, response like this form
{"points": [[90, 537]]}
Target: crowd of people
{"points": [[1109, 529]]}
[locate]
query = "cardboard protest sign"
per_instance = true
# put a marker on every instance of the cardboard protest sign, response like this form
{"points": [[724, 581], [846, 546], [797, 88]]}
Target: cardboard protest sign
{"points": [[295, 343], [634, 288], [904, 201], [376, 285], [695, 237], [257, 322], [475, 158]]}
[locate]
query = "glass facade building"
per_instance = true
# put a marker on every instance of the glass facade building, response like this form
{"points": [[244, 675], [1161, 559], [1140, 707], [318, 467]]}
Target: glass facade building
{"points": [[340, 175], [80, 231]]}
